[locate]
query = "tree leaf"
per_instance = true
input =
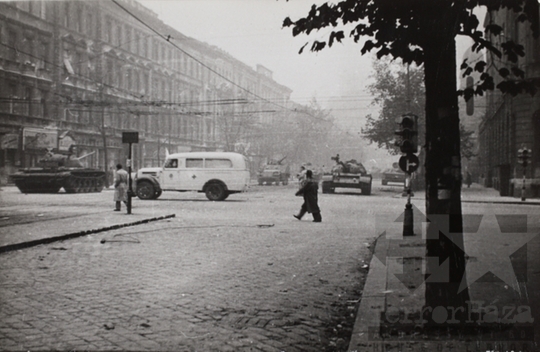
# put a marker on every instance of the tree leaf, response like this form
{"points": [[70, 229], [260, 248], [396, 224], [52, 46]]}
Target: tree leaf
{"points": [[480, 66], [504, 72], [318, 46]]}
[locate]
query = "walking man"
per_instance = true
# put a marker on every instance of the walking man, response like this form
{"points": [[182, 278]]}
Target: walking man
{"points": [[309, 191], [120, 187]]}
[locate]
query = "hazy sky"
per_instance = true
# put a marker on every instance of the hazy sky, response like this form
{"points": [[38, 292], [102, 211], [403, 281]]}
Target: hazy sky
{"points": [[251, 31]]}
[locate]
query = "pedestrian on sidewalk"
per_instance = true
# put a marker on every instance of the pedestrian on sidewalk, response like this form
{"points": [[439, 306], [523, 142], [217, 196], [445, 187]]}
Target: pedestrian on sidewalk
{"points": [[468, 179], [309, 191], [120, 187]]}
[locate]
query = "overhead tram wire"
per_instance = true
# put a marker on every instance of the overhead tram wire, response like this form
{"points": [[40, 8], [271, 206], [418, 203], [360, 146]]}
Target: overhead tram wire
{"points": [[168, 38]]}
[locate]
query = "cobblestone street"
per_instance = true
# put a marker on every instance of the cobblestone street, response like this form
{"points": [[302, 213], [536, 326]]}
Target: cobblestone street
{"points": [[221, 276]]}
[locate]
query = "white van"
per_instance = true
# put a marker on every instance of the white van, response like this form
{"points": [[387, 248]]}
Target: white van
{"points": [[217, 174]]}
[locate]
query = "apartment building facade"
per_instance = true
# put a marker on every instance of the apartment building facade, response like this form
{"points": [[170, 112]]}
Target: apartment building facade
{"points": [[79, 73], [512, 123]]}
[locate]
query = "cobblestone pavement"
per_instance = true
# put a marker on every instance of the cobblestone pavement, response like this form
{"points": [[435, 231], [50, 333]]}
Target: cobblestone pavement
{"points": [[239, 275]]}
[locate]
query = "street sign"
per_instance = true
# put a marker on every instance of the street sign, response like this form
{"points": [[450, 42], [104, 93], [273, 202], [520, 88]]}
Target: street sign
{"points": [[130, 137], [409, 163]]}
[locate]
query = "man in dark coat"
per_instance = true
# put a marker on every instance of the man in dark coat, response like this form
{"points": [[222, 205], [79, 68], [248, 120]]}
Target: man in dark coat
{"points": [[309, 190]]}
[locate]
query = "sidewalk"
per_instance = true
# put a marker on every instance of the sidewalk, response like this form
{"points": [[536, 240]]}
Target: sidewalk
{"points": [[56, 228], [480, 194], [394, 291]]}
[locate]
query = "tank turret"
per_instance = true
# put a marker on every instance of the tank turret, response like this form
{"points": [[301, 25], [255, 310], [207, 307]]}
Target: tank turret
{"points": [[349, 167], [51, 160], [55, 171]]}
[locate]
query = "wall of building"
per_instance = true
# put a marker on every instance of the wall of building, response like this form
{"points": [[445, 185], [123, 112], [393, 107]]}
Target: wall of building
{"points": [[512, 122]]}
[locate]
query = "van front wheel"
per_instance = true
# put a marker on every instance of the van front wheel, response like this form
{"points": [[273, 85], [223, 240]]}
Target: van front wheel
{"points": [[215, 191], [145, 190]]}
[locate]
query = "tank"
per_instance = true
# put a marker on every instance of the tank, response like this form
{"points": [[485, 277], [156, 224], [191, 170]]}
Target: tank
{"points": [[274, 171], [348, 174], [56, 171]]}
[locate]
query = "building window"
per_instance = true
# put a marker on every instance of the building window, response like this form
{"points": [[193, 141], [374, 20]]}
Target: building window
{"points": [[78, 64], [108, 33], [137, 46], [67, 14], [90, 25], [28, 101], [120, 77], [12, 46], [144, 52], [134, 81], [119, 39], [44, 54], [79, 18]]}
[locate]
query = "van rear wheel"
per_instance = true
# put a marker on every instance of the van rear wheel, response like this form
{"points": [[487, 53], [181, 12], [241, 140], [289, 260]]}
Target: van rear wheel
{"points": [[216, 192]]}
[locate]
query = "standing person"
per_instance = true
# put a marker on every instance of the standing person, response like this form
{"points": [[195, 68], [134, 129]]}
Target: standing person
{"points": [[468, 179], [309, 190], [120, 187]]}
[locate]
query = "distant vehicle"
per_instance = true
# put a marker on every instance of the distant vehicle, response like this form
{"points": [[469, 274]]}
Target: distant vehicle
{"points": [[217, 174], [317, 172], [274, 171], [349, 174], [393, 176], [55, 171]]}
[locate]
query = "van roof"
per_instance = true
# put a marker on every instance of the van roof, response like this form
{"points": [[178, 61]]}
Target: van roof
{"points": [[229, 155]]}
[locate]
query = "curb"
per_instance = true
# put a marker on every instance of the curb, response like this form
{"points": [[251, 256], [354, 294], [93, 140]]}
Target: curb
{"points": [[372, 304], [501, 202], [17, 246], [516, 202]]}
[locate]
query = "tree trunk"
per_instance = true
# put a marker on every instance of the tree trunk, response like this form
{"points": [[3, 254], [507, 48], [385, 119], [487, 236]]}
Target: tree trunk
{"points": [[443, 175]]}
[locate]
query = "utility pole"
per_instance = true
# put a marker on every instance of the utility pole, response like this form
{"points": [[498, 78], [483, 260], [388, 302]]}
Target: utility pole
{"points": [[130, 138], [104, 136]]}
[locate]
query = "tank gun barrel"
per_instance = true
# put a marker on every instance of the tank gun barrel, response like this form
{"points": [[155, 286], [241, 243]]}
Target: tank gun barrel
{"points": [[285, 157], [85, 155]]}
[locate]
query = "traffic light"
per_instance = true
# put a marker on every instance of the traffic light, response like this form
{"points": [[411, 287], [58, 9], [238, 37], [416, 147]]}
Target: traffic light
{"points": [[523, 156], [408, 131]]}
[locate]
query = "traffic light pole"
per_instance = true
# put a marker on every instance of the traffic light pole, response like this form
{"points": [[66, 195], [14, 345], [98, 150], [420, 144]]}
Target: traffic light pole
{"points": [[523, 185], [130, 138], [408, 144], [130, 183], [408, 218]]}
